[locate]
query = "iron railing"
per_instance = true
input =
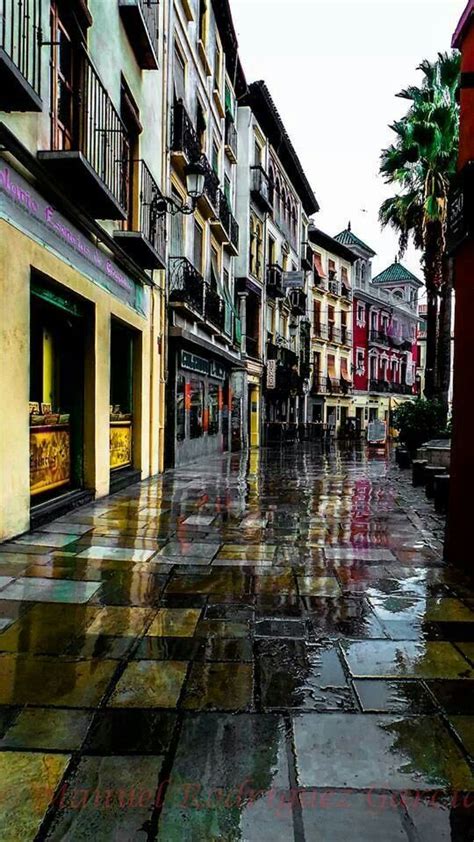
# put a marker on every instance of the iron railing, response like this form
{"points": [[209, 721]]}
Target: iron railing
{"points": [[20, 37], [378, 385], [234, 232], [260, 186], [211, 182], [331, 385], [184, 138], [228, 221], [186, 284], [379, 336], [275, 281], [214, 308], [152, 224]]}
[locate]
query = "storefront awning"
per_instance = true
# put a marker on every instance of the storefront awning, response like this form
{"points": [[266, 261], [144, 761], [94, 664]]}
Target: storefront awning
{"points": [[318, 265], [331, 366], [344, 368]]}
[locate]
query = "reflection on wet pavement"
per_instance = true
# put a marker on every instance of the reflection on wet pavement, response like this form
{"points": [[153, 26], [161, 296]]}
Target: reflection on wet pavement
{"points": [[265, 645]]}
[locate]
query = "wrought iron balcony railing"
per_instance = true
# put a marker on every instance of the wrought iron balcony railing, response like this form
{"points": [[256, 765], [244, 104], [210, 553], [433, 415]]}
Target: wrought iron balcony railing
{"points": [[147, 245], [141, 21], [330, 385], [186, 284], [211, 183], [380, 337], [260, 188], [184, 139], [20, 55], [94, 166], [379, 385]]}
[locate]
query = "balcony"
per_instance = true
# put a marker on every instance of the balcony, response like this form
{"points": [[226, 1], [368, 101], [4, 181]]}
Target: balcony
{"points": [[333, 288], [377, 385], [20, 55], [346, 336], [141, 22], [186, 288], [184, 141], [147, 244], [208, 203], [275, 282], [251, 347], [379, 337], [233, 244], [260, 189], [346, 291], [224, 225], [231, 142], [93, 168], [214, 309], [401, 389]]}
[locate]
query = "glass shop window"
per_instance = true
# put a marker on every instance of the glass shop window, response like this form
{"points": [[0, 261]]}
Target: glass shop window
{"points": [[196, 413], [213, 404], [181, 409]]}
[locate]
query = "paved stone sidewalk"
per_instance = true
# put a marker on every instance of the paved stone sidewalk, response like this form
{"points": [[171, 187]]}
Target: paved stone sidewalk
{"points": [[262, 646]]}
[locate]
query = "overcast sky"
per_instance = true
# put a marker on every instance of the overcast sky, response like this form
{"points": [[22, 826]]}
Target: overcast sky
{"points": [[333, 68]]}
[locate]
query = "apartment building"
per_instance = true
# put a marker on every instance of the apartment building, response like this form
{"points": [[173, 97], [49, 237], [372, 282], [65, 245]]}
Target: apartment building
{"points": [[330, 306], [385, 335], [83, 251], [274, 202]]}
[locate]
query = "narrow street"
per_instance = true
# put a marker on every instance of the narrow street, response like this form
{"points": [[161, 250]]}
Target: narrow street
{"points": [[262, 646]]}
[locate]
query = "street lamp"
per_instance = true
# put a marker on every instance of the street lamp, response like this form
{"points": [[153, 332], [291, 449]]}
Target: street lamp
{"points": [[195, 174]]}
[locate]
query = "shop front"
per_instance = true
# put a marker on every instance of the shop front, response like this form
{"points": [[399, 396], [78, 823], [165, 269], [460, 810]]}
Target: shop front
{"points": [[201, 406], [75, 349], [58, 326]]}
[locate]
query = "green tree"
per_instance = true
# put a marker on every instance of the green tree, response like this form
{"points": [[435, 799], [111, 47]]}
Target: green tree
{"points": [[421, 164]]}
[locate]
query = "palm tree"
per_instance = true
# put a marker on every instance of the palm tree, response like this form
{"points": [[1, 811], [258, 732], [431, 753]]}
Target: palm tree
{"points": [[421, 164]]}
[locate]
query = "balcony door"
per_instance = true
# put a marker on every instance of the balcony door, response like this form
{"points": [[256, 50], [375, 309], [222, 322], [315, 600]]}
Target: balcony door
{"points": [[130, 116], [66, 82]]}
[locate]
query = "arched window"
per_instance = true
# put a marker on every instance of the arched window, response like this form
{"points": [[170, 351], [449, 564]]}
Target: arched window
{"points": [[294, 223]]}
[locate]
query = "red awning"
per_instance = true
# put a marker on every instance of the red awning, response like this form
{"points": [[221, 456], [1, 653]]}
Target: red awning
{"points": [[318, 265]]}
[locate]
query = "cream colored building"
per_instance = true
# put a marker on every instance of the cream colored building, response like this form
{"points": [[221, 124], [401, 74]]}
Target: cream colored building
{"points": [[330, 400], [82, 253]]}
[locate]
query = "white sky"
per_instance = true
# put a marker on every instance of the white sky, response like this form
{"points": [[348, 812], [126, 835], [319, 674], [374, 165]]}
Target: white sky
{"points": [[333, 68]]}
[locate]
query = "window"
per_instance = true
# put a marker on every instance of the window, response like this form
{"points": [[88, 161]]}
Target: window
{"points": [[271, 251], [373, 367], [284, 326], [360, 362], [179, 66], [201, 125], [271, 191], [213, 409], [317, 318], [331, 318], [215, 158], [394, 371], [228, 189], [131, 119], [257, 153], [196, 411], [180, 408], [270, 319], [360, 315], [202, 27], [217, 67], [177, 228], [198, 247], [259, 240], [215, 269]]}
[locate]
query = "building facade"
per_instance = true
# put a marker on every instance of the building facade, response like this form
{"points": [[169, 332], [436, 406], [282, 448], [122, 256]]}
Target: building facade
{"points": [[82, 252], [330, 398], [204, 401], [274, 203], [385, 336]]}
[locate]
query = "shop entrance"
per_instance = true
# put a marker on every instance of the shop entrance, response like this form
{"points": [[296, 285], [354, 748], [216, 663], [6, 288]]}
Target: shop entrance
{"points": [[122, 353], [57, 348]]}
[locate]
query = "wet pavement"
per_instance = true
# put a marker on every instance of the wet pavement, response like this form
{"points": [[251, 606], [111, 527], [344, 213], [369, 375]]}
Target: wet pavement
{"points": [[259, 646]]}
